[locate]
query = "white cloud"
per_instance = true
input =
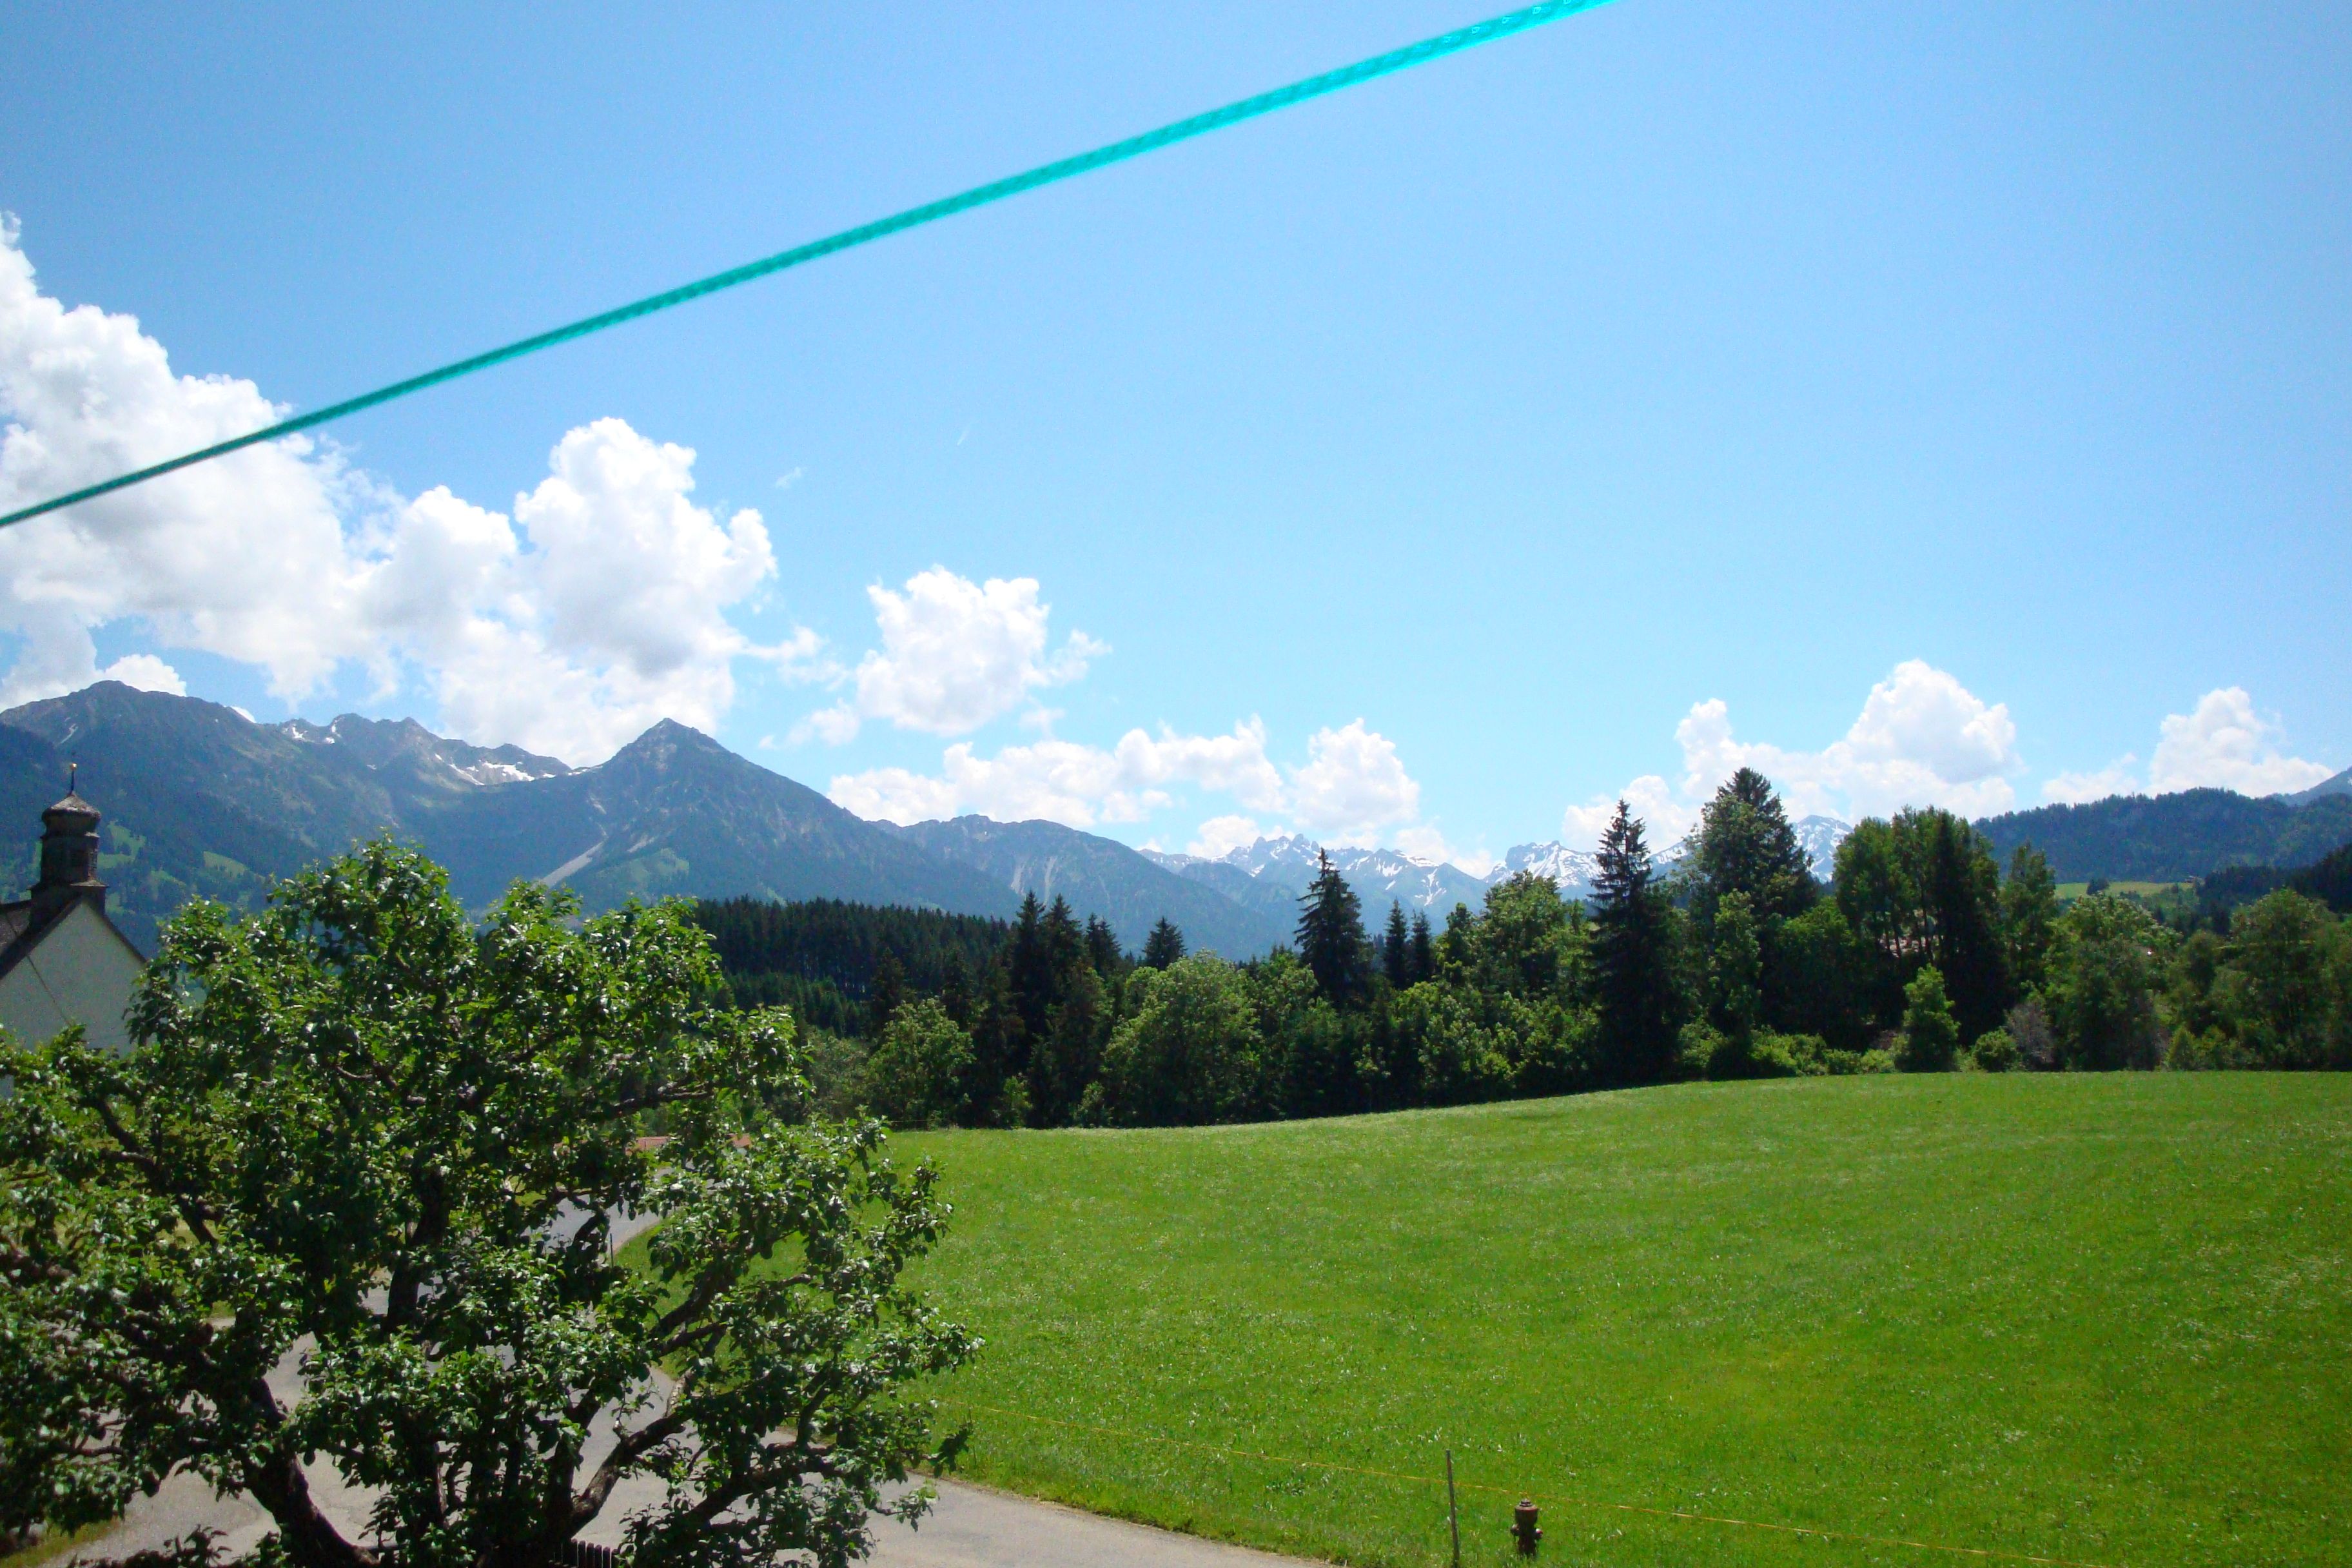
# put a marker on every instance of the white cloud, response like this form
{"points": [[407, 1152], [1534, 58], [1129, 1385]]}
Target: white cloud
{"points": [[605, 613], [955, 654], [146, 672], [1065, 782], [1351, 788], [1353, 785], [2225, 744], [243, 556], [2073, 789], [2222, 743], [1425, 842], [1922, 739], [1221, 836], [1651, 799]]}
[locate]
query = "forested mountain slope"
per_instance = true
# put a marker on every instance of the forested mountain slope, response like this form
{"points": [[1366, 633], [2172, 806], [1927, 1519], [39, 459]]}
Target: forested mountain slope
{"points": [[1098, 875], [2172, 837]]}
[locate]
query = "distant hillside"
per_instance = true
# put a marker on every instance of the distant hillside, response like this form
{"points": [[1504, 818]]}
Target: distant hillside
{"points": [[2340, 785], [1101, 877], [198, 799], [2174, 837], [819, 957]]}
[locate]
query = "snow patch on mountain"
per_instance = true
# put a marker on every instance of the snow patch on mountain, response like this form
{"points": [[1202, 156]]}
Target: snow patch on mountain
{"points": [[1819, 837]]}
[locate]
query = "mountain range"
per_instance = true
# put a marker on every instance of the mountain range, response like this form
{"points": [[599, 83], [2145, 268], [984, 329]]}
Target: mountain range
{"points": [[201, 800]]}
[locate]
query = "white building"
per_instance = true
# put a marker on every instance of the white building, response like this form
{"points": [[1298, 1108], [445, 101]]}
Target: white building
{"points": [[62, 960]]}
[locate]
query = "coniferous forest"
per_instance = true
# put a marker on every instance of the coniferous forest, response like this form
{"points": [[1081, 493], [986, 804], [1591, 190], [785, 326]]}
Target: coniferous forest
{"points": [[1923, 953]]}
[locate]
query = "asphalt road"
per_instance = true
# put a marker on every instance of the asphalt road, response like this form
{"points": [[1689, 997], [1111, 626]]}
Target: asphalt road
{"points": [[969, 1527]]}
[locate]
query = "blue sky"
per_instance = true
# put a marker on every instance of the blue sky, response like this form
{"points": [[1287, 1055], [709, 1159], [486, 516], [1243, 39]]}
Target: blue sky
{"points": [[1927, 404]]}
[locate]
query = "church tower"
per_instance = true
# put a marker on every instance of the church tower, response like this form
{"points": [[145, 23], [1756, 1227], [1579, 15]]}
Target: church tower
{"points": [[68, 855]]}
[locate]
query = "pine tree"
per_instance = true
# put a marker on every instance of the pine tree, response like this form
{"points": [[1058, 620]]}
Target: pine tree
{"points": [[1396, 949], [1746, 845], [1331, 936], [882, 996], [1103, 951], [1164, 946], [1931, 1036], [1425, 949], [1633, 959]]}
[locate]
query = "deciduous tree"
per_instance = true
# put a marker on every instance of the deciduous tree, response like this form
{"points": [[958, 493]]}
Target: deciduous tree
{"points": [[351, 1136]]}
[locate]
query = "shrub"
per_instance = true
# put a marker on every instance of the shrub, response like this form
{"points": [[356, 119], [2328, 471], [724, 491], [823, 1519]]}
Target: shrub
{"points": [[2028, 1025], [1931, 1036], [1790, 1055], [1995, 1051]]}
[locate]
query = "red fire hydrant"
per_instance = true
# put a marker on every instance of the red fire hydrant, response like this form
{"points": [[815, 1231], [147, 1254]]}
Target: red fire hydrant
{"points": [[1523, 1526]]}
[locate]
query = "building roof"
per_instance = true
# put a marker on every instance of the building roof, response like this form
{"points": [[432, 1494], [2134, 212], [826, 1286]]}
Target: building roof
{"points": [[21, 933]]}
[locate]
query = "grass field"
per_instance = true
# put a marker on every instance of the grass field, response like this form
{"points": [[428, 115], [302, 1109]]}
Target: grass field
{"points": [[2069, 891], [2103, 1319]]}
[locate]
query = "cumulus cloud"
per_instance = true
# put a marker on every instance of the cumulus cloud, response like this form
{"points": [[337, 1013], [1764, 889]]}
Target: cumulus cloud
{"points": [[1067, 782], [1221, 836], [601, 613], [1922, 739], [1425, 842], [1649, 797], [955, 654], [2222, 743], [1352, 786]]}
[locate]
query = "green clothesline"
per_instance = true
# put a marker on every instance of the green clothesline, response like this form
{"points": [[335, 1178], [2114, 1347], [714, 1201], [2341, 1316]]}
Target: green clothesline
{"points": [[1331, 82]]}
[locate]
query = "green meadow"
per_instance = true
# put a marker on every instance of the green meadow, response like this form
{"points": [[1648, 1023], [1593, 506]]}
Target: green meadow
{"points": [[2105, 1319]]}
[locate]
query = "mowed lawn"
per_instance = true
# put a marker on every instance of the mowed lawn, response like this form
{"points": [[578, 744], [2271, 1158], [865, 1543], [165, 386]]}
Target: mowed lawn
{"points": [[2103, 1319]]}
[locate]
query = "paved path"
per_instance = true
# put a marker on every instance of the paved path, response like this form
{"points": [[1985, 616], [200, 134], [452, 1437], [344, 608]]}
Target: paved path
{"points": [[969, 1527]]}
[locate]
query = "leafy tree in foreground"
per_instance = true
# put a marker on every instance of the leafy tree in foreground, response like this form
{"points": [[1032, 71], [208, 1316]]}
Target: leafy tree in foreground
{"points": [[355, 1126]]}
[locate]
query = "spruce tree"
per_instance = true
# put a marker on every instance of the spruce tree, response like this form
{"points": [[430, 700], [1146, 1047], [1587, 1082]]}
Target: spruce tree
{"points": [[1103, 951], [1331, 939], [1164, 946], [884, 994], [1931, 1036], [1425, 949], [1633, 959], [1396, 949], [1746, 845]]}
